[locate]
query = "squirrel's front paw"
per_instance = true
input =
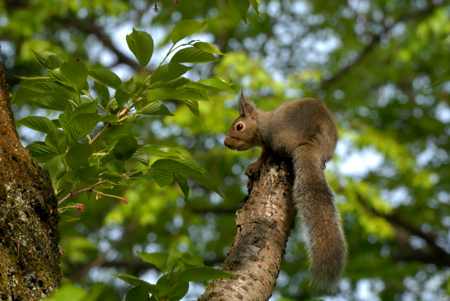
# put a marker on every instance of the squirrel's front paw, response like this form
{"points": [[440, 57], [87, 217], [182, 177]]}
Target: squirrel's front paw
{"points": [[252, 169]]}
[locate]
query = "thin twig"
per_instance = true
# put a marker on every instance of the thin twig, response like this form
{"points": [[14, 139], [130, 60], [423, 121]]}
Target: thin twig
{"points": [[82, 190], [100, 133]]}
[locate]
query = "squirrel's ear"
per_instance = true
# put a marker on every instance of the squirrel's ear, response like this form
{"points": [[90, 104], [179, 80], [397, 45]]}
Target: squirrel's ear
{"points": [[246, 108], [241, 104]]}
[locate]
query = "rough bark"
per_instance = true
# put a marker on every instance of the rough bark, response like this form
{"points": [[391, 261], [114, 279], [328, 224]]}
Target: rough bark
{"points": [[263, 227], [29, 253]]}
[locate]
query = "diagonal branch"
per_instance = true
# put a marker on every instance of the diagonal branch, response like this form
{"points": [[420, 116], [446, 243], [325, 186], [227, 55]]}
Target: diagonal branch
{"points": [[437, 255], [263, 228], [377, 38], [88, 26]]}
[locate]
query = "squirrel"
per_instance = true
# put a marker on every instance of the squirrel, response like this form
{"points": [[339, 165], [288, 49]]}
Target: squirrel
{"points": [[305, 131]]}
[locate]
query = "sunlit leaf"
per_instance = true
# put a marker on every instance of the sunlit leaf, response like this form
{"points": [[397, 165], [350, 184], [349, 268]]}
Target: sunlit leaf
{"points": [[168, 72], [193, 55], [75, 73], [157, 259], [48, 60], [106, 77], [37, 123], [207, 47], [141, 45], [155, 109], [186, 28]]}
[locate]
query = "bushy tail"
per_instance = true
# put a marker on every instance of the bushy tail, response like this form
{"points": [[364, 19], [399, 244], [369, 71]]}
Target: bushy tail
{"points": [[314, 200]]}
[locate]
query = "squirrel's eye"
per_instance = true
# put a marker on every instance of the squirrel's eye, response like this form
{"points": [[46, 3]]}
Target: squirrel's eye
{"points": [[239, 127]]}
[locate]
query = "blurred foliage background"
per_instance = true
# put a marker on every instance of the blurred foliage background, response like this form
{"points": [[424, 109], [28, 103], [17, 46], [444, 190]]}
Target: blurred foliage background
{"points": [[381, 66]]}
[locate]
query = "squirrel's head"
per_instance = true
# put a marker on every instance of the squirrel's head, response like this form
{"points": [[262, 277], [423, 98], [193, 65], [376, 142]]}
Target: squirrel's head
{"points": [[242, 134]]}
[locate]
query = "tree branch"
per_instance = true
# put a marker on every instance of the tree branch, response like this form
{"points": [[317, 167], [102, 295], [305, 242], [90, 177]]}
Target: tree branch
{"points": [[376, 40], [405, 228], [263, 227]]}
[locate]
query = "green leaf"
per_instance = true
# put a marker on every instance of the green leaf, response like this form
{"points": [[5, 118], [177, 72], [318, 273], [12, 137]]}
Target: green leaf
{"points": [[256, 4], [57, 141], [173, 84], [160, 150], [75, 73], [203, 274], [188, 169], [162, 176], [141, 156], [171, 288], [180, 94], [116, 166], [56, 169], [125, 148], [106, 77], [67, 218], [48, 59], [193, 107], [155, 109], [23, 95], [242, 6], [102, 91], [141, 45], [192, 260], [56, 74], [213, 84], [193, 55], [87, 107], [125, 91], [37, 123], [159, 260], [78, 124], [137, 294], [183, 185], [150, 288], [54, 100], [45, 88], [111, 176], [168, 72], [186, 28], [41, 152], [78, 155], [117, 132], [29, 81], [207, 47]]}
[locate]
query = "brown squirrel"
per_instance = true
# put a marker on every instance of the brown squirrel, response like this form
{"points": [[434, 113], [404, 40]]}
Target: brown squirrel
{"points": [[305, 131]]}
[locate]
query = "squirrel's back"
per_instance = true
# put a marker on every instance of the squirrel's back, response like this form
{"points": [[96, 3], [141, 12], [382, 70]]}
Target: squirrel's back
{"points": [[302, 121]]}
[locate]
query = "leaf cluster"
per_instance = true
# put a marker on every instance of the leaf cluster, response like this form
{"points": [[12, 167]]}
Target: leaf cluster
{"points": [[91, 144], [173, 285]]}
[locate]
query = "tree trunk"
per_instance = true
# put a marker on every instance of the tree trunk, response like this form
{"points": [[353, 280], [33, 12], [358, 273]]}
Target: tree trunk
{"points": [[29, 253], [263, 227]]}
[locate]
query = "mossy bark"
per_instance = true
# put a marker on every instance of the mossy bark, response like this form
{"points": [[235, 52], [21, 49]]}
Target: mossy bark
{"points": [[29, 253], [263, 227]]}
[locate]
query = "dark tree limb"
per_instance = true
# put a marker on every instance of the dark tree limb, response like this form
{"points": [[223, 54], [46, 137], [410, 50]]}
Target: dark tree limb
{"points": [[404, 229], [29, 253], [263, 227], [377, 38]]}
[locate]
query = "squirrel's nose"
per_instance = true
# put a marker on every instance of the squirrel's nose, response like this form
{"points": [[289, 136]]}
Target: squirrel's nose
{"points": [[227, 142]]}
